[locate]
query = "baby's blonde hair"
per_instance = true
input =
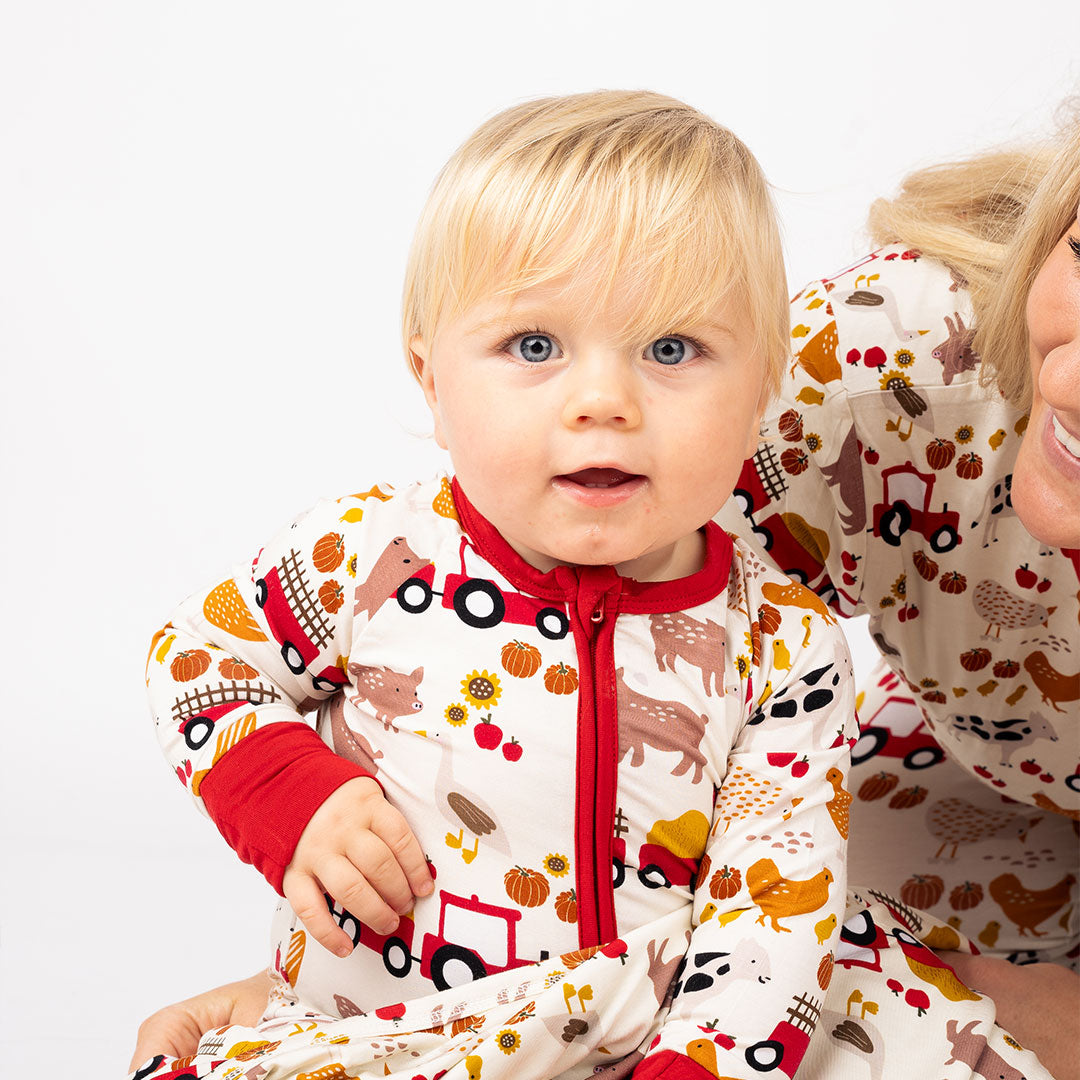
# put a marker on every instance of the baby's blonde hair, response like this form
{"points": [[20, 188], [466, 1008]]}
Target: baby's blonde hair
{"points": [[994, 218], [653, 195]]}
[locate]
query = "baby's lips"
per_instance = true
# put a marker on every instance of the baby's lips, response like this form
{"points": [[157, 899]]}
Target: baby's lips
{"points": [[599, 477]]}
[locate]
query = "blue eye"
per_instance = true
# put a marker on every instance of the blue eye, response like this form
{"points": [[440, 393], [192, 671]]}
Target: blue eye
{"points": [[535, 348], [670, 351]]}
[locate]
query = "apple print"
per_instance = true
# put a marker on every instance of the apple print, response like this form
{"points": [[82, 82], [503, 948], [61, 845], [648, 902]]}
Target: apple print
{"points": [[1030, 766], [1025, 578], [391, 1012], [871, 456], [853, 356], [984, 772], [1046, 778], [875, 357], [801, 767], [487, 735], [616, 948], [1043, 585], [512, 750]]}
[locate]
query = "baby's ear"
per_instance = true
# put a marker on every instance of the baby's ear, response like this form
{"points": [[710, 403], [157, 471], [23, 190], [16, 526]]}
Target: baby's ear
{"points": [[423, 369]]}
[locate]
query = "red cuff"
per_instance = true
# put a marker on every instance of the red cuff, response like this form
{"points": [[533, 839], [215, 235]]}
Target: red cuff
{"points": [[264, 791], [671, 1066]]}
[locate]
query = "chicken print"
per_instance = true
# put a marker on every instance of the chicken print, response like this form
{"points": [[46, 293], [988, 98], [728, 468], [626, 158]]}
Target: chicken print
{"points": [[1028, 907], [956, 821], [779, 897], [840, 802], [1002, 609], [1054, 685]]}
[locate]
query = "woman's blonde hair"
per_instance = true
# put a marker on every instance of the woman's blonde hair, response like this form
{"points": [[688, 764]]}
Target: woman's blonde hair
{"points": [[645, 191], [994, 218]]}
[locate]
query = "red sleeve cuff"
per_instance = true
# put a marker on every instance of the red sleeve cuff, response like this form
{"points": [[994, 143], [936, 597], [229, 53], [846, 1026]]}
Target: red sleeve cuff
{"points": [[671, 1066], [264, 791]]}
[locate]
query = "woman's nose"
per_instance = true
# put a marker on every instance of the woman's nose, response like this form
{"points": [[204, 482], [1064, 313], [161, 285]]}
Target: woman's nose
{"points": [[601, 390]]}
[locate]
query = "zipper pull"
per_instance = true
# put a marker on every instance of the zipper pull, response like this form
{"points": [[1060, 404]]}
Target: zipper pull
{"points": [[598, 612]]}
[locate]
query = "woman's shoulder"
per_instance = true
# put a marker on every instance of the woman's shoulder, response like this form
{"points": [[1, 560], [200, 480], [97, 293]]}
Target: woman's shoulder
{"points": [[892, 314]]}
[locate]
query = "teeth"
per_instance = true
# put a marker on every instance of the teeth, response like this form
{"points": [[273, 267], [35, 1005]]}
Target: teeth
{"points": [[1070, 442]]}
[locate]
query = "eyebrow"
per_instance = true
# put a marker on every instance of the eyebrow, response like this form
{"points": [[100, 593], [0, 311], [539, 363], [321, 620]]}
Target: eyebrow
{"points": [[538, 317]]}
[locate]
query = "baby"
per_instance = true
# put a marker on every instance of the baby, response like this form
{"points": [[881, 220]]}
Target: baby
{"points": [[573, 799]]}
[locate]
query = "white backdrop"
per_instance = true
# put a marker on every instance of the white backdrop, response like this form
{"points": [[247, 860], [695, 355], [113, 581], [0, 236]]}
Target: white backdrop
{"points": [[204, 213]]}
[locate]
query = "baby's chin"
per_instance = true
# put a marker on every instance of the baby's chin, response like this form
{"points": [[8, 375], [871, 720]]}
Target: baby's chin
{"points": [[643, 562]]}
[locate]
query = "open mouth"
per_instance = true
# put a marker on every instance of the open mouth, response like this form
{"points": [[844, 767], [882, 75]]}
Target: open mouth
{"points": [[600, 478]]}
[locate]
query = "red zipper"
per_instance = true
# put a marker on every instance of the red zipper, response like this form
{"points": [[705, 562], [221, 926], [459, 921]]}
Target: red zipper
{"points": [[592, 598]]}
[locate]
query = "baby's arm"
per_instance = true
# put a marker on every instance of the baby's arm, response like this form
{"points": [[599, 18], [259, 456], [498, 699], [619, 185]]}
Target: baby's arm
{"points": [[770, 893], [229, 677]]}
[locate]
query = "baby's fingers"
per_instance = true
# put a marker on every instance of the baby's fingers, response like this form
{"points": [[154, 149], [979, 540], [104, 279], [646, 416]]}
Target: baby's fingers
{"points": [[391, 827], [309, 903]]}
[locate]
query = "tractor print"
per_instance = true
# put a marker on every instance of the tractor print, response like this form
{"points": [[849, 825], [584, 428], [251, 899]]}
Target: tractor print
{"points": [[296, 621], [905, 504], [896, 730], [786, 1045], [480, 603], [474, 939]]}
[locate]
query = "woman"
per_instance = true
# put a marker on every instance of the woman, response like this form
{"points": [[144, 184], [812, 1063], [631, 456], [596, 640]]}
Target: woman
{"points": [[894, 480]]}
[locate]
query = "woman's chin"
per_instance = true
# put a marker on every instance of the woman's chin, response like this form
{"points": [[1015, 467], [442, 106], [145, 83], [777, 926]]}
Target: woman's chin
{"points": [[1045, 497]]}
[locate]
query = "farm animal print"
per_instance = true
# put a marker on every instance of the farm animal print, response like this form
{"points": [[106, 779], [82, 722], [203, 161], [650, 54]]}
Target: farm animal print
{"points": [[884, 484], [562, 745]]}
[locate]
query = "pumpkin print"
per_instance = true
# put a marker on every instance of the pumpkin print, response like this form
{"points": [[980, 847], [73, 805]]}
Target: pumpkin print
{"points": [[566, 906], [939, 453], [520, 660], [529, 888], [824, 971], [794, 461], [329, 552], [467, 1023], [236, 670], [953, 582], [703, 871], [969, 467], [878, 786], [725, 883], [560, 679], [331, 595], [926, 567], [790, 425], [975, 659], [769, 617], [189, 665], [966, 896], [577, 957], [909, 796], [1006, 669], [922, 890]]}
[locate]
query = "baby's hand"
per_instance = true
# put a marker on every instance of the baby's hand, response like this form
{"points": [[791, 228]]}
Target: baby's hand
{"points": [[361, 851]]}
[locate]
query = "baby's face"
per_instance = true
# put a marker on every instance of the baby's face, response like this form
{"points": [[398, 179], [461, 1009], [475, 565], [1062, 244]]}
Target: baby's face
{"points": [[581, 449]]}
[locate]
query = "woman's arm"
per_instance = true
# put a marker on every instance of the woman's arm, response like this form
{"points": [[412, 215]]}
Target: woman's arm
{"points": [[1038, 1004], [175, 1030]]}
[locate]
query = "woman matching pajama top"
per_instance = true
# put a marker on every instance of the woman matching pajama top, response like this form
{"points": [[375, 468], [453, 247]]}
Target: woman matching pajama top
{"points": [[631, 794]]}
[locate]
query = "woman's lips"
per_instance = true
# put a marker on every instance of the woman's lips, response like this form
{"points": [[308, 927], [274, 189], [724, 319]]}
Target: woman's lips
{"points": [[600, 487], [1070, 442]]}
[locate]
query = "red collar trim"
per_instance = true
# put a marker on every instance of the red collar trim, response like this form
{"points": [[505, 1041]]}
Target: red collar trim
{"points": [[636, 597]]}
